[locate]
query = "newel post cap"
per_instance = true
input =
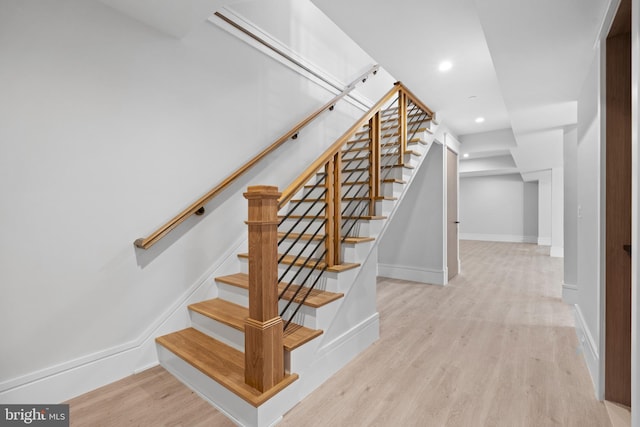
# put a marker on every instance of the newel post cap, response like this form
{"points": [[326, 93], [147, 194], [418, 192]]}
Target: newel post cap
{"points": [[262, 192]]}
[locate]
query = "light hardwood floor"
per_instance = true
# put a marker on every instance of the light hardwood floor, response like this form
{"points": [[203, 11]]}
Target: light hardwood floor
{"points": [[496, 347]]}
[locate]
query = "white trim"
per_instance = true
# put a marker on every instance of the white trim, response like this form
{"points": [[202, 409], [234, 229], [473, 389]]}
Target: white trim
{"points": [[589, 348], [414, 274], [354, 97], [72, 378], [452, 143], [512, 238], [334, 355], [607, 21], [569, 293], [544, 241], [557, 251]]}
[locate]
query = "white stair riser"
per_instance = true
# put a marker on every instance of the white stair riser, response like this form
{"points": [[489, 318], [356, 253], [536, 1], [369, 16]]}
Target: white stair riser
{"points": [[351, 252], [297, 225], [220, 331], [397, 173], [233, 294], [234, 407], [356, 252], [314, 318], [330, 281], [391, 189], [384, 207], [364, 228], [303, 249]]}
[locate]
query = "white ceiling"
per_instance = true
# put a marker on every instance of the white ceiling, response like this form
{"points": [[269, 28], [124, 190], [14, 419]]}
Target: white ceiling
{"points": [[524, 61], [514, 56]]}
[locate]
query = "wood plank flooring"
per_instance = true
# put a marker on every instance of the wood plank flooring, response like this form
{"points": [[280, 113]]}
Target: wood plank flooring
{"points": [[496, 347]]}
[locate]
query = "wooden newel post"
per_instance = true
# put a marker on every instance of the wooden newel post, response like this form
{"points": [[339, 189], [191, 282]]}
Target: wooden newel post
{"points": [[264, 353]]}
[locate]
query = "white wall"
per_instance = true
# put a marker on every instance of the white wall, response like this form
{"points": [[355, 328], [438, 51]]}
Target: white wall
{"points": [[108, 128], [569, 288], [498, 208], [412, 246], [557, 212], [539, 150], [589, 319], [544, 209], [496, 140]]}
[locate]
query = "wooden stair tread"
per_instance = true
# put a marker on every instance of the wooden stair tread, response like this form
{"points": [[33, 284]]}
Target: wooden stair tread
{"points": [[220, 362], [350, 183], [365, 217], [366, 198], [382, 167], [290, 259], [317, 297], [394, 181], [387, 154], [234, 316], [318, 237], [389, 135], [394, 110], [344, 198], [223, 311]]}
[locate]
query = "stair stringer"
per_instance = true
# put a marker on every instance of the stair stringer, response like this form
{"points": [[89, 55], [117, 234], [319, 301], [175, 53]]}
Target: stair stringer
{"points": [[355, 325]]}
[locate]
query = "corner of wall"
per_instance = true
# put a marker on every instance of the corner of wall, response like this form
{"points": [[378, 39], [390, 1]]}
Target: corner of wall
{"points": [[588, 347]]}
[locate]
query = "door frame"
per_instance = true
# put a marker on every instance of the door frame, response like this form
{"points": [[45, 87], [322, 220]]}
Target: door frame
{"points": [[452, 144]]}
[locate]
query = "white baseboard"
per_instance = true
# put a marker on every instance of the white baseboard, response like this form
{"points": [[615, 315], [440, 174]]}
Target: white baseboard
{"points": [[569, 293], [557, 252], [512, 238], [589, 349], [414, 274], [65, 381], [544, 241], [334, 355]]}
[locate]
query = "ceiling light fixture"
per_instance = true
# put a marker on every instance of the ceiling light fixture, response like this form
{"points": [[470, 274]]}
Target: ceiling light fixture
{"points": [[480, 120], [465, 155], [445, 66]]}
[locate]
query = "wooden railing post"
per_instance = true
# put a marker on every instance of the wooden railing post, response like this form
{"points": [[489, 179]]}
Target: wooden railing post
{"points": [[375, 125], [402, 123], [333, 210], [263, 330]]}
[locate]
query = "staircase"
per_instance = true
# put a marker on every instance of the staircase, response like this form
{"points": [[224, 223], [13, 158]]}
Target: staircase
{"points": [[320, 308]]}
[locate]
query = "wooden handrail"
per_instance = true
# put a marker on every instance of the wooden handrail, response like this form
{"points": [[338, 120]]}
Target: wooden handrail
{"points": [[337, 146], [198, 205]]}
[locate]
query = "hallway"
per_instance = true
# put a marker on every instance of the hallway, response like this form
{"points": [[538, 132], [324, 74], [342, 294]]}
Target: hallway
{"points": [[496, 347]]}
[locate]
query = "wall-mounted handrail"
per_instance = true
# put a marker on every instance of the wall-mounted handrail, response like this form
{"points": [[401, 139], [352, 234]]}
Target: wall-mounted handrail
{"points": [[198, 205], [337, 146]]}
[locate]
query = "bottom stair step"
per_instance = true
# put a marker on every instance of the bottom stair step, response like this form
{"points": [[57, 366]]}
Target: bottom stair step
{"points": [[220, 362], [233, 315]]}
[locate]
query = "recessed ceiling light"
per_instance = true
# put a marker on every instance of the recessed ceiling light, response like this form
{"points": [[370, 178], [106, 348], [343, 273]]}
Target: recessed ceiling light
{"points": [[465, 155], [480, 120], [445, 66]]}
